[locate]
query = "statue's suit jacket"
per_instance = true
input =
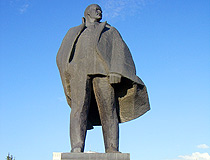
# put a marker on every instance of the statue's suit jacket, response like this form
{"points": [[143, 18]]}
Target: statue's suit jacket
{"points": [[116, 57]]}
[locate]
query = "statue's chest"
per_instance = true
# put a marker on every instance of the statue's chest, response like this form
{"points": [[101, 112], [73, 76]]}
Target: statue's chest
{"points": [[85, 45]]}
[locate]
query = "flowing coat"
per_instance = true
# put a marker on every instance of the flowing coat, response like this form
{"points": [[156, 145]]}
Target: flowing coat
{"points": [[116, 58]]}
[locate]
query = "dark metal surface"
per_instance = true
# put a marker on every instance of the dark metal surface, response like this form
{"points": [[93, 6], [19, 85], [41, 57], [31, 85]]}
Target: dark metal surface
{"points": [[99, 80]]}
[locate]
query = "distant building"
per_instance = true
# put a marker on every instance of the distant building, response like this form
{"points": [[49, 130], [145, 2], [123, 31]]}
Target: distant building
{"points": [[56, 155]]}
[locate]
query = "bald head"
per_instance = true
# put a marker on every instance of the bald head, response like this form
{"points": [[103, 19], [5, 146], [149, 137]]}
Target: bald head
{"points": [[93, 13]]}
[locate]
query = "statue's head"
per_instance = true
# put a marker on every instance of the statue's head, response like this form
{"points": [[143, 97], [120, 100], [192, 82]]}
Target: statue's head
{"points": [[93, 13]]}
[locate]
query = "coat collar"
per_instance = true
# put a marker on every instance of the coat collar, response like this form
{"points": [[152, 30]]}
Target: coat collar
{"points": [[99, 31], [100, 28], [79, 30]]}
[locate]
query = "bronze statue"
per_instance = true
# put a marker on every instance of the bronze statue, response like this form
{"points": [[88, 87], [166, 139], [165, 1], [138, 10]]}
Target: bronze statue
{"points": [[99, 80]]}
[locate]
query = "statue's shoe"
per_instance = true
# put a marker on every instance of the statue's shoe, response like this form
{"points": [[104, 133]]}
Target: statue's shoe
{"points": [[76, 150], [111, 150]]}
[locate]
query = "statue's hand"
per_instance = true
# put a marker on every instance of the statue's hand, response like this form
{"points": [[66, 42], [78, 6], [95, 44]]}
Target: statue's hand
{"points": [[114, 78]]}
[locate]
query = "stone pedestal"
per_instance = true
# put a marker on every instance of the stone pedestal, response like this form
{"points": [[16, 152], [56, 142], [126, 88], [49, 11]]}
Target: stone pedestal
{"points": [[95, 156]]}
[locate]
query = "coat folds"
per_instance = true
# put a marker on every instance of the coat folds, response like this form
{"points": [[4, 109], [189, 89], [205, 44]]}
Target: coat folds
{"points": [[114, 54]]}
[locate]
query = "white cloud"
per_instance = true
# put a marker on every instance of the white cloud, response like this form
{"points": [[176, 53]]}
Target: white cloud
{"points": [[203, 146], [23, 8], [19, 5], [196, 156], [120, 8]]}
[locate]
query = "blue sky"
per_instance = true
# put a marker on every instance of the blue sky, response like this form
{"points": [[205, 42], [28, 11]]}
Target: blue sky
{"points": [[170, 44]]}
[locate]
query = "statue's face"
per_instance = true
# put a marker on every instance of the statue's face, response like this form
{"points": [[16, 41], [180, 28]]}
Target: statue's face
{"points": [[95, 13]]}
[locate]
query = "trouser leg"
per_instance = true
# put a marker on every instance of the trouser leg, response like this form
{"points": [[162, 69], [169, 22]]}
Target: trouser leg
{"points": [[105, 98], [78, 117]]}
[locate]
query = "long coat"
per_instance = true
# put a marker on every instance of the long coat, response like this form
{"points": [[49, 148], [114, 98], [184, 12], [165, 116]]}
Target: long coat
{"points": [[114, 54]]}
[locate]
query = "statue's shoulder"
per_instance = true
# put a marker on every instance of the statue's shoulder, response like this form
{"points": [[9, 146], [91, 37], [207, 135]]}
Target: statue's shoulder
{"points": [[110, 28], [108, 25], [76, 29]]}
